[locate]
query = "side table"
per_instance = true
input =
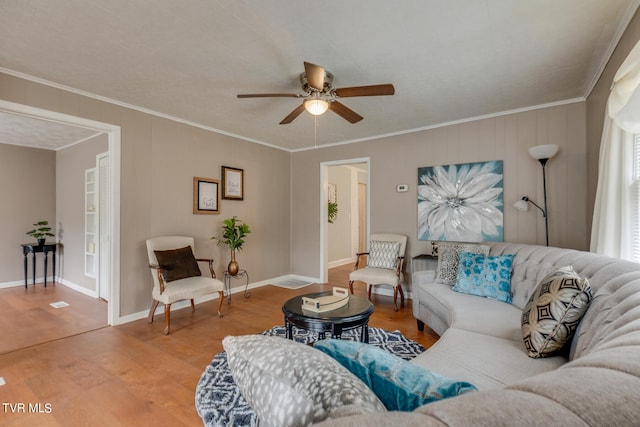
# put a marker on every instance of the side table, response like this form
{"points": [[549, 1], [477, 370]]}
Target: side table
{"points": [[34, 248], [242, 274], [424, 262]]}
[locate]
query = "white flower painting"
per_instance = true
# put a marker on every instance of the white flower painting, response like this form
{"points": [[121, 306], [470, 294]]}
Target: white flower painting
{"points": [[462, 202]]}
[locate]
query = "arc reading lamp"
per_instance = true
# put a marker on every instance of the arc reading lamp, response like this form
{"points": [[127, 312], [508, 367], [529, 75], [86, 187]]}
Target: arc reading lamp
{"points": [[542, 153]]}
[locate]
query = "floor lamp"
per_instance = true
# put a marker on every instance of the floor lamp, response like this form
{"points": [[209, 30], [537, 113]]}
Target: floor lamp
{"points": [[541, 153]]}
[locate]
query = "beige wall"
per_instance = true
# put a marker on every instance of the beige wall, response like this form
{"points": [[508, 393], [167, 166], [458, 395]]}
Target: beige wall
{"points": [[71, 164], [596, 107], [395, 160], [28, 193], [339, 232], [282, 190], [159, 159]]}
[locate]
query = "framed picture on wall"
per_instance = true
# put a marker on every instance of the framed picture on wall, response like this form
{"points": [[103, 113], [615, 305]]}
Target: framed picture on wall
{"points": [[206, 196], [461, 202], [232, 183]]}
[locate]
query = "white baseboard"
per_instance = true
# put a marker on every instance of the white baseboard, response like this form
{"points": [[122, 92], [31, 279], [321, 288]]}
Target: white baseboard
{"points": [[186, 303], [12, 284], [339, 262], [50, 280], [78, 288], [292, 277]]}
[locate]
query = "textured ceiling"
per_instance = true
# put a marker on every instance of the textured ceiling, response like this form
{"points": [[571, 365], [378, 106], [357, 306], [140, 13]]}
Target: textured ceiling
{"points": [[32, 132], [448, 60]]}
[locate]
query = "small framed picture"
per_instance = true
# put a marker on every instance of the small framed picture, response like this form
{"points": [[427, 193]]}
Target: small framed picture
{"points": [[206, 196], [232, 183]]}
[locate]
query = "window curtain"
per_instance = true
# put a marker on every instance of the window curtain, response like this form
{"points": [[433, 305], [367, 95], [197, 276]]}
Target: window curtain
{"points": [[613, 223]]}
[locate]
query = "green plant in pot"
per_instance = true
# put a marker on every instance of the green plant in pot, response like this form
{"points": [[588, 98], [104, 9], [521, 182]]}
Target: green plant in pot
{"points": [[332, 211], [41, 232], [233, 234]]}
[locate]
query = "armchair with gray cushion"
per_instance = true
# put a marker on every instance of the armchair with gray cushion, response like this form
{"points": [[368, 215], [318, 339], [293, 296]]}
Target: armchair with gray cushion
{"points": [[176, 275], [385, 259]]}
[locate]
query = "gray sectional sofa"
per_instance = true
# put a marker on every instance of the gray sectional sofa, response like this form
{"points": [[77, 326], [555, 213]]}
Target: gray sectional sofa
{"points": [[596, 382]]}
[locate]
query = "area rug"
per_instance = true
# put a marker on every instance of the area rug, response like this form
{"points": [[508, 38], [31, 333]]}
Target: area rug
{"points": [[220, 403]]}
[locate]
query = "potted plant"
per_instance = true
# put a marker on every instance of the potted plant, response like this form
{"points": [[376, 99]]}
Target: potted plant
{"points": [[234, 232], [333, 211], [41, 232]]}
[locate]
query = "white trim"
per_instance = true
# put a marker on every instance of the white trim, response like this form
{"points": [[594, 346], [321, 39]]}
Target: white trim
{"points": [[323, 229], [77, 288], [79, 141], [445, 124], [628, 16], [12, 284], [290, 150], [234, 290], [113, 131], [133, 107], [339, 262], [50, 281]]}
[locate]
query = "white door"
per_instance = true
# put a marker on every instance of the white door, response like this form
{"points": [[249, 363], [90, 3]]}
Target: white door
{"points": [[104, 256]]}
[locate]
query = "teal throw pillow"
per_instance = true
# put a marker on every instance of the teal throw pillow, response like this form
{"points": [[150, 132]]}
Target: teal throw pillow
{"points": [[485, 276], [399, 384]]}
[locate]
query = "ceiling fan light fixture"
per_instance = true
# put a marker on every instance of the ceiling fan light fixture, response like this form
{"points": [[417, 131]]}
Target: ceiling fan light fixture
{"points": [[316, 106]]}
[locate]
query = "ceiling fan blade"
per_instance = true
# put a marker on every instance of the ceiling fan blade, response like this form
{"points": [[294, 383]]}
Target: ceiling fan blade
{"points": [[345, 112], [270, 95], [292, 115], [315, 75], [374, 90]]}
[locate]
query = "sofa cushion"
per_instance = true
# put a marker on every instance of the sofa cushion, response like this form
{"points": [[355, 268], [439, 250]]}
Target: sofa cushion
{"points": [[485, 276], [383, 254], [554, 311], [292, 384], [177, 264], [399, 384], [485, 361], [483, 315], [449, 256]]}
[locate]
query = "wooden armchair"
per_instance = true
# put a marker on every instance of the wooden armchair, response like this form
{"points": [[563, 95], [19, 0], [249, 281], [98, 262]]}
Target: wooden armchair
{"points": [[176, 275], [385, 259]]}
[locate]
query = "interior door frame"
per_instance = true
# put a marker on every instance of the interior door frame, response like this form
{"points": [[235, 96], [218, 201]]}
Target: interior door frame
{"points": [[324, 214], [103, 273], [113, 132]]}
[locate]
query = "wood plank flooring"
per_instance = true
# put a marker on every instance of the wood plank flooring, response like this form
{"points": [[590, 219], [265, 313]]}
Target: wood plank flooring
{"points": [[27, 318], [132, 374]]}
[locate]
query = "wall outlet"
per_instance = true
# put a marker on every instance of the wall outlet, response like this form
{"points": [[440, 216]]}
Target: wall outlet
{"points": [[402, 188]]}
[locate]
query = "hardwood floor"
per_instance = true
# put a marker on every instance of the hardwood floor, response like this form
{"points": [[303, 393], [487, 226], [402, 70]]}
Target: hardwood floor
{"points": [[132, 374], [28, 318]]}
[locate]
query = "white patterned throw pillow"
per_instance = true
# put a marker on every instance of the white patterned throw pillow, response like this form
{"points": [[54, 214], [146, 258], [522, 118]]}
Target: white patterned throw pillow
{"points": [[449, 257], [383, 254], [292, 384], [554, 311]]}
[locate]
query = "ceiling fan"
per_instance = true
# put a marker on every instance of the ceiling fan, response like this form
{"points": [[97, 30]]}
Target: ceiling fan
{"points": [[319, 95]]}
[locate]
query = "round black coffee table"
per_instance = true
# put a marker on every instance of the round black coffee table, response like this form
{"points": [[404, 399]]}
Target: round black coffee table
{"points": [[353, 315]]}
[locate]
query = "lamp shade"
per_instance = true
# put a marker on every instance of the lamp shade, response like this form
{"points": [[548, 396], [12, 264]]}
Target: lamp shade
{"points": [[543, 151], [316, 106], [521, 205]]}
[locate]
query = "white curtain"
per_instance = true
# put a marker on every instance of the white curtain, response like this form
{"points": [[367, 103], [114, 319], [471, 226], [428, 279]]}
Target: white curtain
{"points": [[612, 229]]}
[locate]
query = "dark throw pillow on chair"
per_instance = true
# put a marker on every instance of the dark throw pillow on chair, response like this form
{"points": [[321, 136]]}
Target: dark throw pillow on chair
{"points": [[177, 264]]}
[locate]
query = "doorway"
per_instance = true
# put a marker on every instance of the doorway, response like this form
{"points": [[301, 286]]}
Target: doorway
{"points": [[112, 228], [347, 183]]}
